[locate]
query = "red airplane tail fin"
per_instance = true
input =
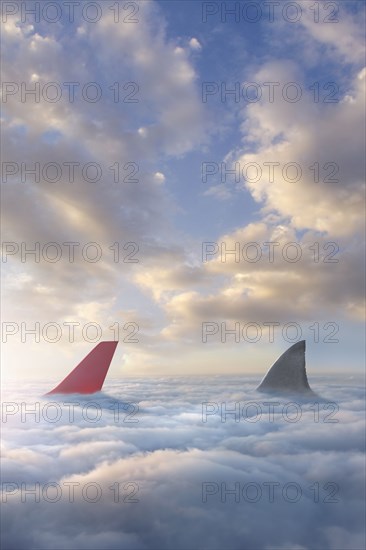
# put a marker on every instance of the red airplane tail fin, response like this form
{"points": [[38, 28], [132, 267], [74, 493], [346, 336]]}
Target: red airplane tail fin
{"points": [[89, 375]]}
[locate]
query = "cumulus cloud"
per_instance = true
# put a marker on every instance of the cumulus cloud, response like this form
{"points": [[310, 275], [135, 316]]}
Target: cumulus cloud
{"points": [[159, 177], [128, 203], [260, 273], [324, 209], [195, 44], [343, 38], [288, 134]]}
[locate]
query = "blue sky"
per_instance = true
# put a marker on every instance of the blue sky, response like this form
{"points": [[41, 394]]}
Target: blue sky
{"points": [[169, 54]]}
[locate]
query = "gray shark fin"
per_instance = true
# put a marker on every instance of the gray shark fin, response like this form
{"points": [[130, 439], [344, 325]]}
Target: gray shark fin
{"points": [[288, 373]]}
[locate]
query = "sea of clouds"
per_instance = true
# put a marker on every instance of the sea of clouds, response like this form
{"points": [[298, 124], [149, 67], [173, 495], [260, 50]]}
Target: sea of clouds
{"points": [[156, 464]]}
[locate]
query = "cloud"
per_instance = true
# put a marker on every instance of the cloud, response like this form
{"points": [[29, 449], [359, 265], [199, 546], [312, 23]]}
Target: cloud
{"points": [[343, 38], [168, 456], [286, 134], [246, 280], [296, 206], [159, 177], [194, 44], [167, 120]]}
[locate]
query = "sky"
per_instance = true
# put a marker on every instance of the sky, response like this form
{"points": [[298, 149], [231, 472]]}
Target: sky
{"points": [[186, 178], [169, 141]]}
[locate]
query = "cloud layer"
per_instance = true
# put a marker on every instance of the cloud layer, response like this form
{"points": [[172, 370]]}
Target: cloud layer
{"points": [[175, 459]]}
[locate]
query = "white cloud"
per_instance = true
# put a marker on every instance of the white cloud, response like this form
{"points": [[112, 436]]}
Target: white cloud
{"points": [[170, 453], [103, 133], [195, 44], [159, 177], [308, 134], [343, 38]]}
